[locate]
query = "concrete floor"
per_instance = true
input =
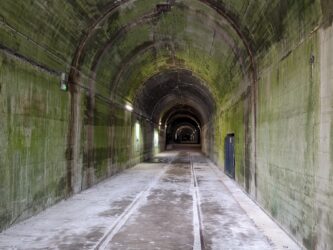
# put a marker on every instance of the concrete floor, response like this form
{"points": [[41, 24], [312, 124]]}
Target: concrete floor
{"points": [[178, 201]]}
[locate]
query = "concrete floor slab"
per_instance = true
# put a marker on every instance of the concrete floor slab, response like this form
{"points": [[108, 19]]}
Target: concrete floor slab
{"points": [[181, 201]]}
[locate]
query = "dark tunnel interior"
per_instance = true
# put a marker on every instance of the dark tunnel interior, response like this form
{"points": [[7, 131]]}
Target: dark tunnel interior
{"points": [[90, 88], [179, 102]]}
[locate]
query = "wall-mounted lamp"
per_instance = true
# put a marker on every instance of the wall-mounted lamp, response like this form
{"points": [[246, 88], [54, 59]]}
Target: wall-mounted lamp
{"points": [[137, 131], [63, 82], [129, 107], [155, 138]]}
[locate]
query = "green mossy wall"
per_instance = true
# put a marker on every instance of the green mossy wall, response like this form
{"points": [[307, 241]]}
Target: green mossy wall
{"points": [[109, 141], [231, 121], [33, 128], [291, 177], [289, 132], [287, 145]]}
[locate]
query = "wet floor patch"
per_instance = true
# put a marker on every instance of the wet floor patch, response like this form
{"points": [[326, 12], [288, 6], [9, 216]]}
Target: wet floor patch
{"points": [[70, 241], [117, 207], [158, 160]]}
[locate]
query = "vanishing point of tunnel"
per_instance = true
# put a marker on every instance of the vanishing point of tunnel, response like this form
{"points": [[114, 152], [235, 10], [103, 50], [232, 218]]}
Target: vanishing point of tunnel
{"points": [[166, 124]]}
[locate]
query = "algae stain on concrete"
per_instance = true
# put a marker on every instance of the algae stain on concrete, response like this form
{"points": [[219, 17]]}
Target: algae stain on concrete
{"points": [[33, 159]]}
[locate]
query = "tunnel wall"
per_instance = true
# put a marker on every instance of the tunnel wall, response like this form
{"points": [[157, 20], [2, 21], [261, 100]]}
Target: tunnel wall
{"points": [[287, 138], [55, 143], [109, 142], [33, 127], [294, 180], [284, 158], [235, 120], [324, 171], [38, 167]]}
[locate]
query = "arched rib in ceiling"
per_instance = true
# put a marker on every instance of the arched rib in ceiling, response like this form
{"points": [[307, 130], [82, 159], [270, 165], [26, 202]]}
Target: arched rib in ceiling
{"points": [[179, 123], [240, 15], [182, 111], [93, 31], [173, 87], [121, 62], [79, 27], [182, 117], [144, 56], [196, 104]]}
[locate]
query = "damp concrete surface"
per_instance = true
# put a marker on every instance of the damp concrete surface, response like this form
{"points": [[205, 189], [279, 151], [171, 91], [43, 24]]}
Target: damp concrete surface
{"points": [[179, 200]]}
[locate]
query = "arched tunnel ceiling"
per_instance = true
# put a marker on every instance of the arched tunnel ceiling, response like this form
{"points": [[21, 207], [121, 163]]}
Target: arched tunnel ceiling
{"points": [[69, 30], [189, 36], [116, 46], [182, 56], [175, 88], [179, 111], [130, 44], [181, 122]]}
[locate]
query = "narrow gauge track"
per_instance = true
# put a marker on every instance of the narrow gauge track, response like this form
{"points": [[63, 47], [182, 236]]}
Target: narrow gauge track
{"points": [[129, 211], [199, 243]]}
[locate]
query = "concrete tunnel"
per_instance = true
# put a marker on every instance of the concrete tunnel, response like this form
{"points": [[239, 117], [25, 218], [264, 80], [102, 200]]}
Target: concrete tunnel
{"points": [[217, 95]]}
